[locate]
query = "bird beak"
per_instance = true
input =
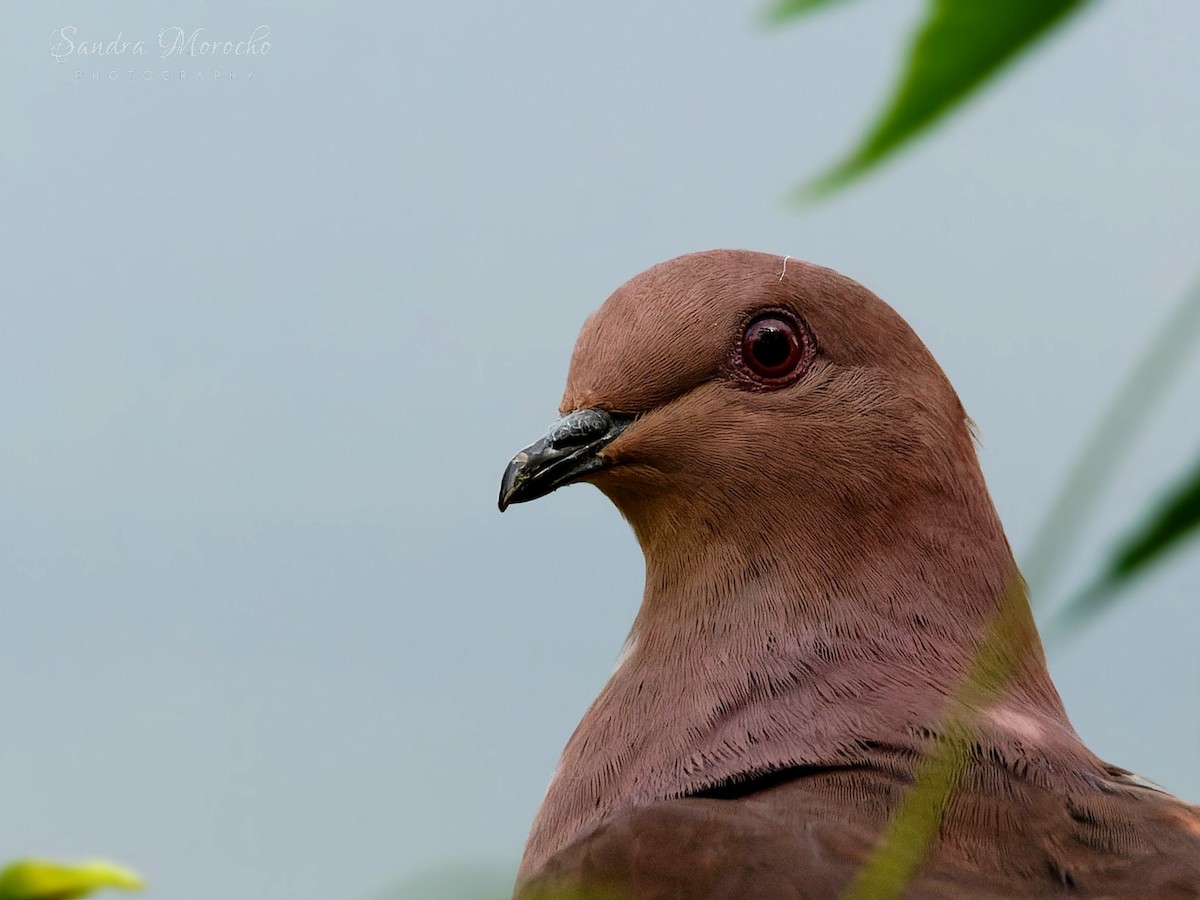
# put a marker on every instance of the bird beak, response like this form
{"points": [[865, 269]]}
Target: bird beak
{"points": [[569, 451]]}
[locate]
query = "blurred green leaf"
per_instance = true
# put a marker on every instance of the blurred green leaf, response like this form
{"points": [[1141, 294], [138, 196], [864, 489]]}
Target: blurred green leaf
{"points": [[1176, 518], [38, 879], [908, 837], [784, 10], [579, 892], [1173, 520], [1157, 368], [957, 48]]}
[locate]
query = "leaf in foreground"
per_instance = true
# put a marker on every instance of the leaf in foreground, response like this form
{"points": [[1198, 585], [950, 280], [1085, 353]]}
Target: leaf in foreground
{"points": [[1175, 519], [1157, 368], [782, 10], [38, 879], [910, 835], [960, 44]]}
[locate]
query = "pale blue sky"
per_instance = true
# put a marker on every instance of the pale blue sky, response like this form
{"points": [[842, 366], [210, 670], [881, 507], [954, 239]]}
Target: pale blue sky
{"points": [[268, 344]]}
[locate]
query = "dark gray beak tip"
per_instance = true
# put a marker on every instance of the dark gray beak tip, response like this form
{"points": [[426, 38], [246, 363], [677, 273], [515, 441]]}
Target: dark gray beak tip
{"points": [[570, 451], [509, 482]]}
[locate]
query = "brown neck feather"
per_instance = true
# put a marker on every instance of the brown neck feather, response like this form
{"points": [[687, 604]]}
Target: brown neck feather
{"points": [[744, 660]]}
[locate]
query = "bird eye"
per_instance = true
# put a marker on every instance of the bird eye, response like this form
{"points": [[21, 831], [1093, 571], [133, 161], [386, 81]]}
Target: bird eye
{"points": [[773, 347]]}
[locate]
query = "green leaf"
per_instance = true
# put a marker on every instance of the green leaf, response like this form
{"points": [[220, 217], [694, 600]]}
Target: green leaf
{"points": [[1157, 368], [957, 48], [1175, 518], [783, 10], [38, 879], [914, 825]]}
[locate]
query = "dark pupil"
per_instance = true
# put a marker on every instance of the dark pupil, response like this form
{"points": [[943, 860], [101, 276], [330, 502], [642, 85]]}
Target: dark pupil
{"points": [[772, 348]]}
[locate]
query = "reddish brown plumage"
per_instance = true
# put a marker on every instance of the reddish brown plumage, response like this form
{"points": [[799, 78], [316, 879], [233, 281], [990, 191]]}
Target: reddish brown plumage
{"points": [[821, 560]]}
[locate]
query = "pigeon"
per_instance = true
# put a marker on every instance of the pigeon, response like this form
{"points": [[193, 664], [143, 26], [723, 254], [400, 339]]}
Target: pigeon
{"points": [[823, 563]]}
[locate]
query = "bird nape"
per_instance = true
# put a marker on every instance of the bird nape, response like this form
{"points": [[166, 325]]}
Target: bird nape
{"points": [[822, 563]]}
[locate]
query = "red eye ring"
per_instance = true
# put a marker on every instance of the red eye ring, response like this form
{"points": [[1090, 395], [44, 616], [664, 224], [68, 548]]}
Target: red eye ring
{"points": [[774, 347]]}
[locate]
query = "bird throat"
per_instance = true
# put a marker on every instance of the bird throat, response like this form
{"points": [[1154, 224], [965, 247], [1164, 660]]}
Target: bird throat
{"points": [[740, 665]]}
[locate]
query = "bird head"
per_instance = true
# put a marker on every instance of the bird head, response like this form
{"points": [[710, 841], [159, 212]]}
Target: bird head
{"points": [[737, 397]]}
